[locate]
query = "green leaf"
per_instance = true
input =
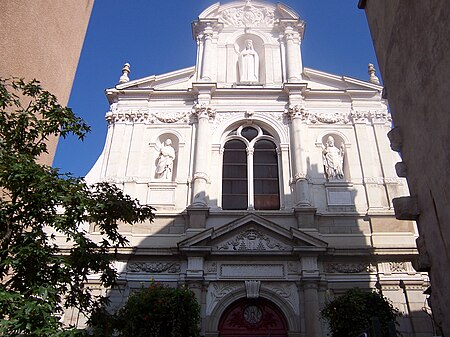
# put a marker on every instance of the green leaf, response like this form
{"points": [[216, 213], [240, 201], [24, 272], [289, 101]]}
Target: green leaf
{"points": [[37, 204]]}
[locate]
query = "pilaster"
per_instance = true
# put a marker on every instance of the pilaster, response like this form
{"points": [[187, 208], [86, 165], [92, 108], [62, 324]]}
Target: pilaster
{"points": [[292, 32], [299, 165], [204, 113], [311, 308], [206, 32]]}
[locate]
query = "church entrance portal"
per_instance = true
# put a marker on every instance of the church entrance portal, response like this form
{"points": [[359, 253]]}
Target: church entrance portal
{"points": [[253, 317]]}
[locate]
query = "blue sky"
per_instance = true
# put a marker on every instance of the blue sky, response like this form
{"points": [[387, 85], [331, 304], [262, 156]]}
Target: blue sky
{"points": [[155, 37]]}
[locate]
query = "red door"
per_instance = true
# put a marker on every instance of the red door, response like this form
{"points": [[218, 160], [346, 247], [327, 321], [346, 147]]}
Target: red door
{"points": [[256, 318]]}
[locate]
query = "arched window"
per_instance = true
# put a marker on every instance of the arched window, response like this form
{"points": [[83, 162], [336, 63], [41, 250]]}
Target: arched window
{"points": [[250, 170]]}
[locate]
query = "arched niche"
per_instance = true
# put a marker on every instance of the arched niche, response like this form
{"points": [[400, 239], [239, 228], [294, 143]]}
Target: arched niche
{"points": [[334, 153], [258, 47], [166, 150]]}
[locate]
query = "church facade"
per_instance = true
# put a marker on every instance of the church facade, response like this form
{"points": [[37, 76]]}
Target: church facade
{"points": [[272, 181]]}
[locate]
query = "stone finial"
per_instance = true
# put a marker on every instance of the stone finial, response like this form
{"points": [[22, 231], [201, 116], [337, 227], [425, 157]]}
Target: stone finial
{"points": [[125, 71], [372, 77]]}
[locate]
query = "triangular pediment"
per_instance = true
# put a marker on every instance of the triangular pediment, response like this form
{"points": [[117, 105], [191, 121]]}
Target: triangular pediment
{"points": [[320, 80], [182, 79], [252, 234], [178, 79]]}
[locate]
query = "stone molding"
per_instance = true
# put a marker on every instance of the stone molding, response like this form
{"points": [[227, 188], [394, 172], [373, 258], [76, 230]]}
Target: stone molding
{"points": [[286, 290], [217, 291], [201, 175], [201, 110]]}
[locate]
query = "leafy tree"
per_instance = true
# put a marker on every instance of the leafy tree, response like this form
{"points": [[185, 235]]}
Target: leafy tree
{"points": [[156, 311], [351, 313], [40, 274]]}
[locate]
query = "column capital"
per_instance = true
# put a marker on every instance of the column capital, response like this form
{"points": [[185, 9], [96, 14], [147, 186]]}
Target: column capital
{"points": [[202, 110], [205, 27], [296, 112], [310, 283], [292, 28]]}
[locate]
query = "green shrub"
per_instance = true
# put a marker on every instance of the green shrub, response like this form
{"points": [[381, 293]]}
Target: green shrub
{"points": [[160, 311], [351, 313]]}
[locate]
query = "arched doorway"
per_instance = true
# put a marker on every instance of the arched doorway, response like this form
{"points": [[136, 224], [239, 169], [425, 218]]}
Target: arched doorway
{"points": [[253, 317]]}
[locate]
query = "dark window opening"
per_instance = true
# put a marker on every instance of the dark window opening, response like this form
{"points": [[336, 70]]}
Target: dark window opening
{"points": [[265, 176], [234, 176]]}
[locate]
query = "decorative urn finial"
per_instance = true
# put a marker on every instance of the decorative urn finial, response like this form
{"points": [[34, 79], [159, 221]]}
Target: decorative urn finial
{"points": [[125, 71], [372, 77]]}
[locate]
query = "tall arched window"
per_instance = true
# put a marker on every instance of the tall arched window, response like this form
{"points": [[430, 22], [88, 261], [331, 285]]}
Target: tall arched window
{"points": [[250, 170]]}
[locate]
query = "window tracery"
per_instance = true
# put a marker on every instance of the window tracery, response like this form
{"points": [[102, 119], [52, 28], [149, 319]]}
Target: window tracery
{"points": [[250, 170]]}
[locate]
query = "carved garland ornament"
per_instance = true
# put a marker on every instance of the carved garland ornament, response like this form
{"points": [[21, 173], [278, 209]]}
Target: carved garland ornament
{"points": [[171, 117], [349, 268], [378, 116], [143, 116], [251, 240], [154, 267]]}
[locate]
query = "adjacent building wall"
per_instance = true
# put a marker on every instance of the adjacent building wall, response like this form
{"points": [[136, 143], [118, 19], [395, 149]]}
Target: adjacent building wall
{"points": [[42, 39], [412, 44]]}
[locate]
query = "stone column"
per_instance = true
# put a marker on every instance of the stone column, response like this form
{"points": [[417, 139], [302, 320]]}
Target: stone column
{"points": [[293, 62], [207, 60], [369, 155], [203, 111], [196, 287], [299, 168], [292, 30], [205, 31], [312, 322], [251, 198]]}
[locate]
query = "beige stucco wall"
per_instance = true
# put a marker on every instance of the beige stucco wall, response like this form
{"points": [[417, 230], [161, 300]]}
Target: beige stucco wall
{"points": [[42, 39], [412, 43]]}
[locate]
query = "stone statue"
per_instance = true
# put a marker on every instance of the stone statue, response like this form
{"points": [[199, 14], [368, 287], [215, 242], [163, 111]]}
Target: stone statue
{"points": [[248, 64], [333, 160], [164, 166]]}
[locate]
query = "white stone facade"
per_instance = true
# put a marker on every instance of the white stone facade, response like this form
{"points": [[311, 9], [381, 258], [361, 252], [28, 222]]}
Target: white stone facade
{"points": [[327, 226]]}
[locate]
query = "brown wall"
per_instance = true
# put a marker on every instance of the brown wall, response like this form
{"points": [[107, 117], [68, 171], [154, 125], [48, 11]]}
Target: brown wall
{"points": [[42, 39], [412, 43]]}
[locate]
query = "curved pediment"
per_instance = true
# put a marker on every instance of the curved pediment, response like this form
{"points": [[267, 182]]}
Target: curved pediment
{"points": [[248, 13]]}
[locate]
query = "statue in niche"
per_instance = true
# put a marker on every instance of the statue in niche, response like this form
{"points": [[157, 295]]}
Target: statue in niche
{"points": [[164, 165], [333, 160], [248, 64]]}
